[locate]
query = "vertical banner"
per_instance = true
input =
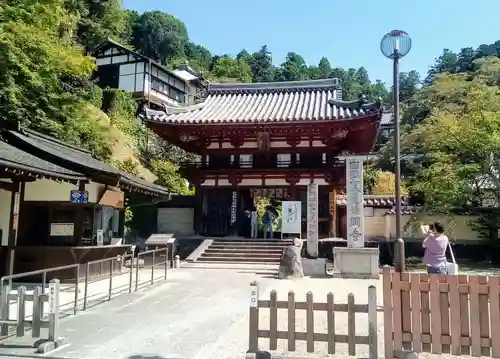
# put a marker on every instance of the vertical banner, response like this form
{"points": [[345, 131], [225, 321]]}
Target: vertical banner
{"points": [[355, 217], [312, 219], [291, 217], [234, 207]]}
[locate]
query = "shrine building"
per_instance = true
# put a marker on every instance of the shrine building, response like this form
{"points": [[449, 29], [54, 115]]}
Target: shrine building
{"points": [[271, 140]]}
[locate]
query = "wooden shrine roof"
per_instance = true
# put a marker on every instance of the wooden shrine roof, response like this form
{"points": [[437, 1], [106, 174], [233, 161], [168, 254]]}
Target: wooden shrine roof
{"points": [[18, 162], [283, 102], [80, 160]]}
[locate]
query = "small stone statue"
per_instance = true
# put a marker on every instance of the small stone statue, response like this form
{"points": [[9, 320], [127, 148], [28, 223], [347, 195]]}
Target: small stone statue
{"points": [[291, 261]]}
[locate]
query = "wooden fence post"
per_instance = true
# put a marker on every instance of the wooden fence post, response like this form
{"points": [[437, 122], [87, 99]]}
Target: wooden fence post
{"points": [[388, 331], [253, 341], [351, 325], [372, 322], [291, 321]]}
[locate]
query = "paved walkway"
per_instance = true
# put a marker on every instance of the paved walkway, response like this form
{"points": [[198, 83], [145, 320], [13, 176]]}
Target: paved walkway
{"points": [[198, 313], [191, 315]]}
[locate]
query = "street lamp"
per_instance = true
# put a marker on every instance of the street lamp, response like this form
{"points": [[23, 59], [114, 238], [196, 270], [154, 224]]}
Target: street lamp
{"points": [[395, 45]]}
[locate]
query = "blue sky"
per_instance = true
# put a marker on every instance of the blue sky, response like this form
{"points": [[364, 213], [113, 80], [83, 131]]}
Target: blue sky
{"points": [[348, 33]]}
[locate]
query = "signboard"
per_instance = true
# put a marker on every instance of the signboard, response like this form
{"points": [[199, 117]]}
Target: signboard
{"points": [[355, 214], [254, 296], [100, 237], [291, 217], [312, 219], [62, 229], [53, 296], [276, 193], [79, 197]]}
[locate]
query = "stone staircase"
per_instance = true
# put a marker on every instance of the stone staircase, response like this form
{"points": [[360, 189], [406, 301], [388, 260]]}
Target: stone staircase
{"points": [[244, 251]]}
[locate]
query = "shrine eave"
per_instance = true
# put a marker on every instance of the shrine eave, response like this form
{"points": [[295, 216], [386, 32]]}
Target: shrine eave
{"points": [[266, 103]]}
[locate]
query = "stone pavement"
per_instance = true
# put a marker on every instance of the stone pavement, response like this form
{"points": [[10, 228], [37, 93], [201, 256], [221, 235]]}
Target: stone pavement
{"points": [[198, 313], [191, 315]]}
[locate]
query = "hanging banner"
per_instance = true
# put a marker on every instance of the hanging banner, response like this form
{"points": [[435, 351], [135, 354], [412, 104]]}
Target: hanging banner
{"points": [[291, 217], [312, 219], [355, 215]]}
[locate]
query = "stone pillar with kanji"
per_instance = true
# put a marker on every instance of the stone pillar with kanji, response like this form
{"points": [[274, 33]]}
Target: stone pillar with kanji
{"points": [[355, 261], [354, 193]]}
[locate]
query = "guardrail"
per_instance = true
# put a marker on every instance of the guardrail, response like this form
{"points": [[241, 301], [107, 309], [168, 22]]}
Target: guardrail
{"points": [[123, 275], [36, 321]]}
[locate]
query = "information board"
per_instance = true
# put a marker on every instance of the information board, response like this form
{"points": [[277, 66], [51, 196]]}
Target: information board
{"points": [[291, 217]]}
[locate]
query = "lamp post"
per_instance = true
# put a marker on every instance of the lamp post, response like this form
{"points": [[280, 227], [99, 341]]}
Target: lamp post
{"points": [[395, 45]]}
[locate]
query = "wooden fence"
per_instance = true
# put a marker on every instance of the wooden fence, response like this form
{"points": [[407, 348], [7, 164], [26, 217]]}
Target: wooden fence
{"points": [[291, 335], [441, 314]]}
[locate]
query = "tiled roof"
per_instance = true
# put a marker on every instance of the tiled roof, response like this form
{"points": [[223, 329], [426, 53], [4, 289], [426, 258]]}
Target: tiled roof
{"points": [[264, 102], [404, 211], [387, 117], [80, 160], [372, 201], [15, 160]]}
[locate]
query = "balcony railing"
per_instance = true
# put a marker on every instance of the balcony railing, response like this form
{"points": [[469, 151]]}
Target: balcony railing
{"points": [[260, 165]]}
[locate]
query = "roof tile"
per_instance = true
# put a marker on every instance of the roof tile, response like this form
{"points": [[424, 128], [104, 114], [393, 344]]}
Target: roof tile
{"points": [[13, 158], [373, 201], [264, 102]]}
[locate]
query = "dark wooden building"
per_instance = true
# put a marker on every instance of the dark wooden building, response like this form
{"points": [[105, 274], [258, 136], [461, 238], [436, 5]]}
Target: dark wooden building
{"points": [[74, 221], [267, 139]]}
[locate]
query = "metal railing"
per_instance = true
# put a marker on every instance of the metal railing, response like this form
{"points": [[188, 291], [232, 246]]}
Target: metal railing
{"points": [[145, 266]]}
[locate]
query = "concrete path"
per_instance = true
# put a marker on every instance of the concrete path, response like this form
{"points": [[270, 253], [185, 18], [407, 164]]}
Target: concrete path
{"points": [[191, 315]]}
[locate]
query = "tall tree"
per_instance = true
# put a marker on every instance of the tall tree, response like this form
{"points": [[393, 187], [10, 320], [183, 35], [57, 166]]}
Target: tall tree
{"points": [[455, 149], [262, 65], [294, 68], [228, 69], [98, 21], [160, 36]]}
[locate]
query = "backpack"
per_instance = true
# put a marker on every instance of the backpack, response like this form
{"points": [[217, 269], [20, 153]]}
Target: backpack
{"points": [[265, 218]]}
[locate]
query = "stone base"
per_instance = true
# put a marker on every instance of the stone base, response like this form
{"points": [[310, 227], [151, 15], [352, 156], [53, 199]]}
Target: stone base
{"points": [[362, 263], [314, 267]]}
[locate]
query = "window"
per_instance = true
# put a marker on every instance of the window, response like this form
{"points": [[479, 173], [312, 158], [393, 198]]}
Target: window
{"points": [[167, 90], [284, 160], [246, 161]]}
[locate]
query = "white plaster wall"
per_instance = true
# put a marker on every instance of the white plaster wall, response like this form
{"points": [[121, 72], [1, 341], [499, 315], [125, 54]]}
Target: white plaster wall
{"points": [[47, 190], [4, 215]]}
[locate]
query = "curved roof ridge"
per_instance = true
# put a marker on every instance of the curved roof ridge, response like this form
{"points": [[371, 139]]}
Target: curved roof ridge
{"points": [[283, 86]]}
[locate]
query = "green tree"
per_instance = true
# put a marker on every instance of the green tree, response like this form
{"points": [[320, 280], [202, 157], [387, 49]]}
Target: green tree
{"points": [[200, 58], [262, 65], [245, 56], [169, 178], [160, 36], [455, 148], [98, 21], [40, 65], [294, 68], [228, 69]]}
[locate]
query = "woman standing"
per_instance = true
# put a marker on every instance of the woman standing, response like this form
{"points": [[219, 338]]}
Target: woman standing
{"points": [[435, 245]]}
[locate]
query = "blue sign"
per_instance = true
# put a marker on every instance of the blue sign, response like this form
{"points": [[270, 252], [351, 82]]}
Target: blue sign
{"points": [[79, 197]]}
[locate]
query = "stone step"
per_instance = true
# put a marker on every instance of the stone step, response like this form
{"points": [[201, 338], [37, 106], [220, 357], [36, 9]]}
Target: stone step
{"points": [[243, 250], [239, 260], [253, 243], [242, 255], [238, 248]]}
